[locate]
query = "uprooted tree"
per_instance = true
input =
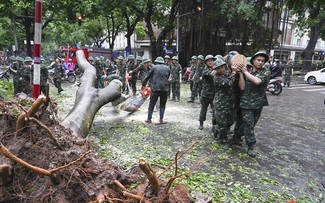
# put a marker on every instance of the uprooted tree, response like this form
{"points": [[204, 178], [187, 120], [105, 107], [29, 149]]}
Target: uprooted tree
{"points": [[44, 161]]}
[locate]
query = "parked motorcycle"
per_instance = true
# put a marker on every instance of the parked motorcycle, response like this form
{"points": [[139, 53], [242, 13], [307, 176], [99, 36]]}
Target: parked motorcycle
{"points": [[275, 86], [70, 75]]}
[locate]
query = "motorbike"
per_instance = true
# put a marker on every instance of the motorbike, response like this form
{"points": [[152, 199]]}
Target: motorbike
{"points": [[70, 75], [275, 86]]}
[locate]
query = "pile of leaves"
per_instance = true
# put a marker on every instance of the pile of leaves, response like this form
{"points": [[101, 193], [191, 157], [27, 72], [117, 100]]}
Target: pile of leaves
{"points": [[77, 173]]}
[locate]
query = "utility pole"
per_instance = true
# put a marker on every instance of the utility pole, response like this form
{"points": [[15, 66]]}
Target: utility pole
{"points": [[37, 49]]}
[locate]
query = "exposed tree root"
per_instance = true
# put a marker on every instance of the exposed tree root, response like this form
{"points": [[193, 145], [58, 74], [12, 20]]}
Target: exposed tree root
{"points": [[150, 173], [36, 169], [21, 121]]}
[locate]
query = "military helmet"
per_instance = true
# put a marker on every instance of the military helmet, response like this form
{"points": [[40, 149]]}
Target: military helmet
{"points": [[167, 57], [139, 58], [130, 57], [209, 56], [120, 58], [97, 58], [175, 58], [218, 63], [219, 57], [28, 59], [248, 59], [260, 53], [21, 59], [194, 57], [90, 58], [102, 58], [146, 60], [200, 57], [159, 59], [13, 58]]}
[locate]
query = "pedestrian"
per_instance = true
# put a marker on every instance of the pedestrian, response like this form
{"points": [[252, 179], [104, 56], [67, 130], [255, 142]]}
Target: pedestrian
{"points": [[254, 97], [207, 91], [223, 101], [287, 73], [175, 79], [197, 79], [58, 74], [121, 71], [158, 75]]}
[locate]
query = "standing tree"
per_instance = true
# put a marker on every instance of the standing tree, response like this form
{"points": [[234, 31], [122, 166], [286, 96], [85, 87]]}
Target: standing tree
{"points": [[311, 16]]}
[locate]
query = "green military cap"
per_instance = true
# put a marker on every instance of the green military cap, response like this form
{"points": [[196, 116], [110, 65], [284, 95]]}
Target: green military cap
{"points": [[260, 53], [209, 56], [139, 58], [218, 63], [120, 58], [13, 58], [159, 59], [248, 59], [90, 58], [175, 58], [28, 59], [97, 58], [146, 60], [219, 57], [21, 59], [102, 58], [194, 57], [130, 57], [200, 57], [167, 57]]}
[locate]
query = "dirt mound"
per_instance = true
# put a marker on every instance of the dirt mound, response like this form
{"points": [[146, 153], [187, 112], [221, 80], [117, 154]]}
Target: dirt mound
{"points": [[86, 178]]}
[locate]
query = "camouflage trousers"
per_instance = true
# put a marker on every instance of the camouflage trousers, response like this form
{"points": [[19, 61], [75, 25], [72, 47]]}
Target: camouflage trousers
{"points": [[197, 88], [250, 118], [176, 88], [287, 80], [223, 123], [205, 102], [238, 130]]}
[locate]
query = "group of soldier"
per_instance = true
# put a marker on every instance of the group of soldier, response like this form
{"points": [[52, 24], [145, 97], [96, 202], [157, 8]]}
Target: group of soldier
{"points": [[234, 92]]}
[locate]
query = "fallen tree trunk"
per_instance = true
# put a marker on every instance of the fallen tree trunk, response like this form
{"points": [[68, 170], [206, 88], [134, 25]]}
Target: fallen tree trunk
{"points": [[89, 99]]}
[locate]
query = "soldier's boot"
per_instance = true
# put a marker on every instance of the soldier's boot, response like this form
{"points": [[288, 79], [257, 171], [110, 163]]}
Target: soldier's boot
{"points": [[191, 100], [251, 152], [201, 125], [150, 112]]}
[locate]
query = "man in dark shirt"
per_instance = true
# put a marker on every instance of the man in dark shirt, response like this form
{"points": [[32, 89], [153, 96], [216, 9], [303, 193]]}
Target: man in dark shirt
{"points": [[158, 75]]}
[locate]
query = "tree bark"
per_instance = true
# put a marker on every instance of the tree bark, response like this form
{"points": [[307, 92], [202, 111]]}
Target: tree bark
{"points": [[89, 99]]}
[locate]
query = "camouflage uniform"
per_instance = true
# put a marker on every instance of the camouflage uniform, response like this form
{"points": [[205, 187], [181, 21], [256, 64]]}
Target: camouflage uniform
{"points": [[131, 66], [24, 85], [287, 74], [223, 105], [175, 72], [197, 79], [57, 76], [15, 67], [252, 102], [44, 77], [99, 73], [121, 68], [207, 95]]}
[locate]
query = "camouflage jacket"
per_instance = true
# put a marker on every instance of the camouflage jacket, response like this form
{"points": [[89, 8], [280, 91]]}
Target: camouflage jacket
{"points": [[198, 73], [58, 71], [121, 68], [287, 69], [142, 70], [207, 83], [193, 70], [254, 96], [44, 74], [131, 66], [223, 96], [99, 70], [175, 72]]}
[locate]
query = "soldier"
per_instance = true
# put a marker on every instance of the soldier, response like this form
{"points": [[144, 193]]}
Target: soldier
{"points": [[254, 97], [287, 73], [26, 76], [44, 76], [158, 75], [197, 79], [192, 69], [131, 66], [207, 91], [58, 74], [91, 60], [175, 79], [223, 100], [237, 91], [13, 69], [167, 60], [99, 73], [121, 70]]}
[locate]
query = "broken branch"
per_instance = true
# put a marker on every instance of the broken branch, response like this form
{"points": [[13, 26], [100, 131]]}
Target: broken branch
{"points": [[71, 163], [151, 175]]}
